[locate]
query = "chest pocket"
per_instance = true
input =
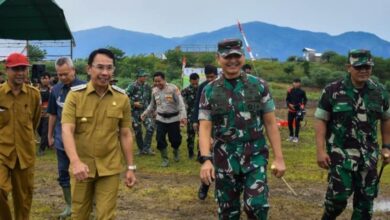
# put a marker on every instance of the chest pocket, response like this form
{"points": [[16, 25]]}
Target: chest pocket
{"points": [[4, 116], [83, 120], [24, 116], [114, 117], [342, 112], [374, 110]]}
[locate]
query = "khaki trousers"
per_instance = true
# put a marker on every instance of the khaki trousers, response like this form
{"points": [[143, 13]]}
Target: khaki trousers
{"points": [[103, 190], [21, 183]]}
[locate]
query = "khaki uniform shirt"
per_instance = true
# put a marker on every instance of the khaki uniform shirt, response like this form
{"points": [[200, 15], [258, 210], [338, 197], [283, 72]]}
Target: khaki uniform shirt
{"points": [[166, 101], [97, 122], [19, 117]]}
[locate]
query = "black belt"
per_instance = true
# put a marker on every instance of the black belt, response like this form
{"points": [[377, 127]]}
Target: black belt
{"points": [[168, 115]]}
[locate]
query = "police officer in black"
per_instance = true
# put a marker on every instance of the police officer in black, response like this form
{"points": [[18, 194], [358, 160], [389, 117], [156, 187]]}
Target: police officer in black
{"points": [[296, 100]]}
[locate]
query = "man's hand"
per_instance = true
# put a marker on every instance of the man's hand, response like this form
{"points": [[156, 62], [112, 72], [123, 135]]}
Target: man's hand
{"points": [[183, 122], [50, 141], [207, 173], [130, 178], [138, 105], [195, 126], [323, 159], [143, 115], [80, 170], [386, 155], [278, 168]]}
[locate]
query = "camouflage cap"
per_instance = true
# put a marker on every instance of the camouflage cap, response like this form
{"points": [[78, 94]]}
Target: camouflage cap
{"points": [[359, 57], [230, 46], [141, 72]]}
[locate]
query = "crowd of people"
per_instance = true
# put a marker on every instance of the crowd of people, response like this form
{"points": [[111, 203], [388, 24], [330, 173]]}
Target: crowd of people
{"points": [[232, 113]]}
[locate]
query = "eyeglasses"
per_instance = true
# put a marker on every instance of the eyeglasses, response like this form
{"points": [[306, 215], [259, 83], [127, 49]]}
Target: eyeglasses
{"points": [[19, 68], [362, 67], [101, 67]]}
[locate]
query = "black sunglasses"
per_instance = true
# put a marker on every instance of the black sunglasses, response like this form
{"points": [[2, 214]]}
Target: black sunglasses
{"points": [[18, 68], [362, 67]]}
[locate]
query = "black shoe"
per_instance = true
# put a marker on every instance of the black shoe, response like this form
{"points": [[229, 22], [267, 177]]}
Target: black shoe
{"points": [[203, 190]]}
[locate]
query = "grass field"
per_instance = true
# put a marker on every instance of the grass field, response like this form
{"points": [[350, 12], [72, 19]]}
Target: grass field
{"points": [[171, 193]]}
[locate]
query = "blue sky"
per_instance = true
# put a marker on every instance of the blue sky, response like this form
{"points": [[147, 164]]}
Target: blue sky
{"points": [[173, 18]]}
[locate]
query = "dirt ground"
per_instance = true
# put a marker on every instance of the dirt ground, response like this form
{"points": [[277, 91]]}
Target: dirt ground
{"points": [[171, 196], [171, 193]]}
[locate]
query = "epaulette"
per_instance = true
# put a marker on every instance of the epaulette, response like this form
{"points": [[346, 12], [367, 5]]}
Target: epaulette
{"points": [[118, 89], [32, 87], [78, 87]]}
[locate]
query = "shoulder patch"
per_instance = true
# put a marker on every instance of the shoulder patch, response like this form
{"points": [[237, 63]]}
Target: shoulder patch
{"points": [[118, 89], [33, 88], [78, 87]]}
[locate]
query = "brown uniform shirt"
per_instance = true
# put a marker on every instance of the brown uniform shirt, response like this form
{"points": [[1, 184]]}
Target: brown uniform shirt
{"points": [[19, 118], [97, 122]]}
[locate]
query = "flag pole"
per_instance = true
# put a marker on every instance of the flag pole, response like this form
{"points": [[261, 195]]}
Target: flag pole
{"points": [[248, 48]]}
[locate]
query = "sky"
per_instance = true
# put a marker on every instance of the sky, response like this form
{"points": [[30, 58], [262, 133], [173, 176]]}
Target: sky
{"points": [[176, 18]]}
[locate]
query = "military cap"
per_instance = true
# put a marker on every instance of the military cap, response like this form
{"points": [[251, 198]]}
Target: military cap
{"points": [[230, 46], [359, 57], [141, 72]]}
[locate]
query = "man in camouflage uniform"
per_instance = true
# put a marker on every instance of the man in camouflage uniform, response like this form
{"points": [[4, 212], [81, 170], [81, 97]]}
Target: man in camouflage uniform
{"points": [[140, 94], [234, 108], [346, 135], [189, 95]]}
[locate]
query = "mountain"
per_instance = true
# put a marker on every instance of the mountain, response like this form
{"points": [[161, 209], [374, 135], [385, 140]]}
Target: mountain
{"points": [[131, 42], [266, 40]]}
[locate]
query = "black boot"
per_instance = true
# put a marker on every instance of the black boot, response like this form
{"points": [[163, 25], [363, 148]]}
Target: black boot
{"points": [[203, 190]]}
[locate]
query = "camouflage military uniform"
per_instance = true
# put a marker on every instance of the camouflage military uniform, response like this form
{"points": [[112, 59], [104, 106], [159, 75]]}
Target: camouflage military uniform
{"points": [[351, 140], [141, 93], [240, 150], [189, 95]]}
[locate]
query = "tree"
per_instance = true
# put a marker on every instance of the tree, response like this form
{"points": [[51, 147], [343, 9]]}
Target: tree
{"points": [[327, 56], [306, 68], [289, 69], [35, 53], [292, 58], [118, 53]]}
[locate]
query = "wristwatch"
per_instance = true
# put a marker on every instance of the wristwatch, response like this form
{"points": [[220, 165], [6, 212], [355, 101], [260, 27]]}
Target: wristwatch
{"points": [[203, 159], [132, 167]]}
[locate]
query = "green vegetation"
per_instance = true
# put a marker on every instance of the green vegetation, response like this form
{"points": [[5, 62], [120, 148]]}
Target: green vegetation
{"points": [[313, 74]]}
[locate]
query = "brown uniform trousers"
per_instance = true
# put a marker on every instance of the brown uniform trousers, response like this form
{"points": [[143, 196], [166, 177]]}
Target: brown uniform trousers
{"points": [[19, 117]]}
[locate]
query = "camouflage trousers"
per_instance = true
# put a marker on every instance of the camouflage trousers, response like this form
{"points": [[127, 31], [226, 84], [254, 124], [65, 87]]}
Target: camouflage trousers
{"points": [[342, 183], [253, 185], [143, 143], [190, 138]]}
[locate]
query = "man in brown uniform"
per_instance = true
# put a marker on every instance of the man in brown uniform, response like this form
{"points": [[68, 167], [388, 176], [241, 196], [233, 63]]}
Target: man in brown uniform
{"points": [[20, 112], [95, 126]]}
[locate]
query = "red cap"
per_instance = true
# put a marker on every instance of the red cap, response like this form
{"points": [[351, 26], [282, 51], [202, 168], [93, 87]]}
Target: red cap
{"points": [[16, 59]]}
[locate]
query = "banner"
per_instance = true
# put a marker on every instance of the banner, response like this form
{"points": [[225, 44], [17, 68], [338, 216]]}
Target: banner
{"points": [[200, 71]]}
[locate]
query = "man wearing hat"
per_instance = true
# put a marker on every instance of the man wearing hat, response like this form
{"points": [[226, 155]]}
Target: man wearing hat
{"points": [[296, 100], [235, 108], [140, 94], [189, 95], [20, 111], [346, 135]]}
